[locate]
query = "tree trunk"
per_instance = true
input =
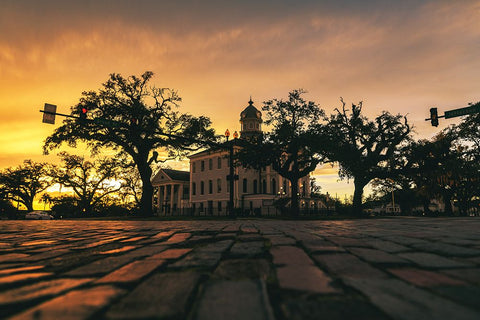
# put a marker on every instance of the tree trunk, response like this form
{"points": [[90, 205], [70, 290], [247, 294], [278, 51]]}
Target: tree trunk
{"points": [[294, 198], [357, 197], [146, 202], [448, 204]]}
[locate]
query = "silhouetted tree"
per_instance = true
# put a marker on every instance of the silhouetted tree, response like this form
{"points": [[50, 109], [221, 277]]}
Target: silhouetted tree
{"points": [[287, 147], [363, 148], [89, 180], [133, 117], [23, 183]]}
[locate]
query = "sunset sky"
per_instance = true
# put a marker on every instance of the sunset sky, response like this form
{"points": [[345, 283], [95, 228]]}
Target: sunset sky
{"points": [[401, 56]]}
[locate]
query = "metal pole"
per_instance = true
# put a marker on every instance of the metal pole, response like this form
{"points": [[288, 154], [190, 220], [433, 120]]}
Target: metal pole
{"points": [[231, 182]]}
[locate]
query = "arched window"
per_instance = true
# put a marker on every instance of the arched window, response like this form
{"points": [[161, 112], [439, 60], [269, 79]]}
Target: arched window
{"points": [[194, 188], [245, 186], [255, 186], [274, 186]]}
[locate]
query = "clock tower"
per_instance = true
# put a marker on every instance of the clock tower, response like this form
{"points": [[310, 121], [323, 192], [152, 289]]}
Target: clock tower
{"points": [[251, 121]]}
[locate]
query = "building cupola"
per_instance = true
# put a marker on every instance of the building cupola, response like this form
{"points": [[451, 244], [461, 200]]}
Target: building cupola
{"points": [[251, 121]]}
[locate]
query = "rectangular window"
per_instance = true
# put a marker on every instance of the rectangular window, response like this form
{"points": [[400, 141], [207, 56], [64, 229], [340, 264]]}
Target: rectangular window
{"points": [[219, 185], [202, 165], [210, 186], [202, 187], [193, 167], [194, 188], [210, 164], [219, 206], [219, 162]]}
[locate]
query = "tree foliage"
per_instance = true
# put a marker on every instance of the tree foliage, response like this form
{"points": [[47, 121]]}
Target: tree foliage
{"points": [[23, 183], [363, 148], [91, 181], [135, 119]]}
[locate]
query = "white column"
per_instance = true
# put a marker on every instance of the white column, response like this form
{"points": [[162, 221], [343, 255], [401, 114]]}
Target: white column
{"points": [[172, 197]]}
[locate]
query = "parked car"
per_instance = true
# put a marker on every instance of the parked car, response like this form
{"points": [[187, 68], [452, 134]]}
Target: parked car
{"points": [[38, 215]]}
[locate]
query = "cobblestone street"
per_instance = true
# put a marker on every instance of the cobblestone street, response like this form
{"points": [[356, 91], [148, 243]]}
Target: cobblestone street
{"points": [[399, 268]]}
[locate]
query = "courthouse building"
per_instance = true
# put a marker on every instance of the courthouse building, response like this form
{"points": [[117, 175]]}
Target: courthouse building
{"points": [[255, 191]]}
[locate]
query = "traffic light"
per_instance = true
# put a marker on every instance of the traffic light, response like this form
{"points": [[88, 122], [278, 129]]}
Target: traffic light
{"points": [[83, 114], [434, 117]]}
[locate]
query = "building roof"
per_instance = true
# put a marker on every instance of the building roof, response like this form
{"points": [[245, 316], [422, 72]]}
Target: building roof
{"points": [[250, 112], [174, 175], [177, 174]]}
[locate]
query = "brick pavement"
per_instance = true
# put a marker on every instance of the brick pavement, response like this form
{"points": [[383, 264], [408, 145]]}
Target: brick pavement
{"points": [[400, 268]]}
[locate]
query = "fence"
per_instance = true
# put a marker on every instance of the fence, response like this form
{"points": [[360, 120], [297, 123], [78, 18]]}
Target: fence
{"points": [[268, 211]]}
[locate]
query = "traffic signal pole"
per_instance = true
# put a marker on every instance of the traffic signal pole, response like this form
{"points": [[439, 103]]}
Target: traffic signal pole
{"points": [[471, 109]]}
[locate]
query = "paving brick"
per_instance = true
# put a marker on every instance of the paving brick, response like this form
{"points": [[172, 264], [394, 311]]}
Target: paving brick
{"points": [[378, 256], [161, 296], [430, 260], [446, 249], [9, 257], [100, 267], [219, 246], [198, 259], [348, 266], [78, 304], [305, 278], [466, 295], [470, 275], [45, 255], [281, 240], [403, 301], [235, 269], [348, 242], [387, 246], [119, 250], [19, 269], [170, 254], [22, 277], [178, 237], [163, 235], [40, 290], [132, 272], [247, 249], [287, 255], [424, 278], [330, 308], [250, 237], [234, 300]]}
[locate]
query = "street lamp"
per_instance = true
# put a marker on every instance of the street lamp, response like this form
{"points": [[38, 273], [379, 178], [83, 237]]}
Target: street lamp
{"points": [[231, 177]]}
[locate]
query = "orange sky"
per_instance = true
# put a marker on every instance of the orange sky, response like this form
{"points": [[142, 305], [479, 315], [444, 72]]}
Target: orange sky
{"points": [[400, 56]]}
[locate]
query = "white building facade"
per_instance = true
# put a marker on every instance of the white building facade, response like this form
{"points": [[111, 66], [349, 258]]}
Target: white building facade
{"points": [[255, 191]]}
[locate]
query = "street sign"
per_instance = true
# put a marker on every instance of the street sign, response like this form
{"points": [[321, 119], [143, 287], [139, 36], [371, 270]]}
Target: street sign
{"points": [[49, 111], [462, 111]]}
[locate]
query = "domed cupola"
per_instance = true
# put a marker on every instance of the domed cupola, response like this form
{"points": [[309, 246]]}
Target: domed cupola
{"points": [[251, 121]]}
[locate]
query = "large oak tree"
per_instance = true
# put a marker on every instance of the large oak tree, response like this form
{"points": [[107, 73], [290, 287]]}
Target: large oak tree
{"points": [[134, 118], [363, 148]]}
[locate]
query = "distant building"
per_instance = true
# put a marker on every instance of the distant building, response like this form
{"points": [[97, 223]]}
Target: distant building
{"points": [[171, 191], [255, 190]]}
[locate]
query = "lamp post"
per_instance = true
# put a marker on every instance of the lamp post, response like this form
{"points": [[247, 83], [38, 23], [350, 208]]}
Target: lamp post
{"points": [[231, 175]]}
